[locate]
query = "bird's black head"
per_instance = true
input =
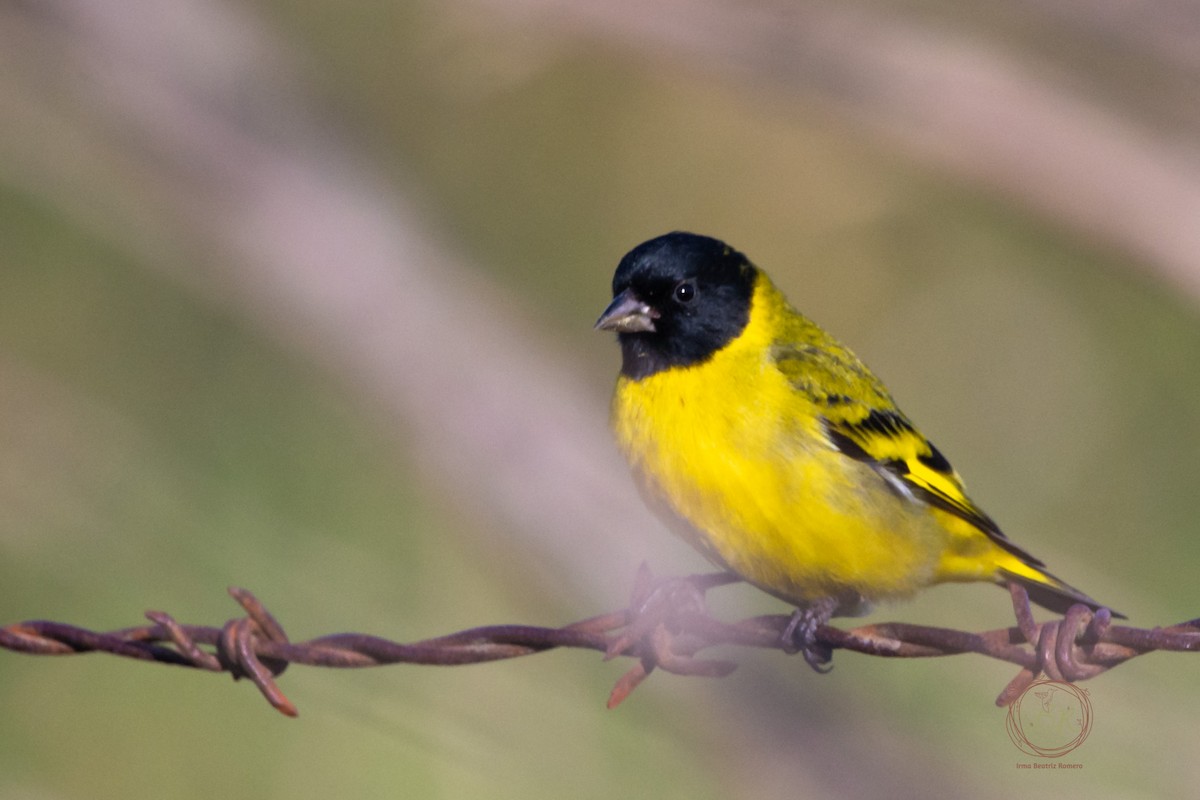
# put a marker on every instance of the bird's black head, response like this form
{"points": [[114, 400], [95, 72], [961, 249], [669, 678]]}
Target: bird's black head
{"points": [[677, 300]]}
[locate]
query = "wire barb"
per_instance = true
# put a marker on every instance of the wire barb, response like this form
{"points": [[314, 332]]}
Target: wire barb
{"points": [[665, 627]]}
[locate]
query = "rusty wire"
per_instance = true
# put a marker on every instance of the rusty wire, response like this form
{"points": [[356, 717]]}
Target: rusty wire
{"points": [[665, 626]]}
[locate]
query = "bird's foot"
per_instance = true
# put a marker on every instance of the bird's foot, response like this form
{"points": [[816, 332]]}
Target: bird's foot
{"points": [[800, 635], [658, 602], [660, 613]]}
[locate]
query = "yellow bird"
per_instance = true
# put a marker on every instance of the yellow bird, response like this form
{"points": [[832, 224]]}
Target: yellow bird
{"points": [[777, 454]]}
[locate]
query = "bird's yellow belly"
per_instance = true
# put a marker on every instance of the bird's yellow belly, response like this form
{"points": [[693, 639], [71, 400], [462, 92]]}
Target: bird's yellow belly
{"points": [[770, 500]]}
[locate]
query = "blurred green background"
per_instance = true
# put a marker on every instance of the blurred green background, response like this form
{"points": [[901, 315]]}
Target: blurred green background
{"points": [[298, 297]]}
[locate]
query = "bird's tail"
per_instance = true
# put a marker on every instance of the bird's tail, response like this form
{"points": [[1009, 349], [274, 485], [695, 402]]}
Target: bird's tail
{"points": [[1045, 589]]}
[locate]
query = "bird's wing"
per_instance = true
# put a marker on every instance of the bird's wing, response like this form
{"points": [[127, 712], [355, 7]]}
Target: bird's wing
{"points": [[862, 422]]}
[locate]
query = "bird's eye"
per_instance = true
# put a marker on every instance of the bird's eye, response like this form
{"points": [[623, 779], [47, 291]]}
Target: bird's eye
{"points": [[685, 292]]}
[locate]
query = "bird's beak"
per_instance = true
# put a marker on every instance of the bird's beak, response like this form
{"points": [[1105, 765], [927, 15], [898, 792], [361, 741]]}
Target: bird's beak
{"points": [[627, 314]]}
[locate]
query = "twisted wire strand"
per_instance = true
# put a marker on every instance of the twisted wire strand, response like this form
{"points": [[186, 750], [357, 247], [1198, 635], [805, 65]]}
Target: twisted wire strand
{"points": [[665, 626]]}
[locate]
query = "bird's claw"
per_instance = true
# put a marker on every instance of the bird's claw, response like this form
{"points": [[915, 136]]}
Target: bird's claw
{"points": [[657, 617], [800, 634], [661, 601]]}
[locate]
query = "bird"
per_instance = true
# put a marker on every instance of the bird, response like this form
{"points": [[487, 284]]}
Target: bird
{"points": [[766, 444]]}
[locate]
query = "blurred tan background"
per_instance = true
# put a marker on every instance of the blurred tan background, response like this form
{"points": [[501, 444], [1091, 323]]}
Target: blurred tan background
{"points": [[298, 296]]}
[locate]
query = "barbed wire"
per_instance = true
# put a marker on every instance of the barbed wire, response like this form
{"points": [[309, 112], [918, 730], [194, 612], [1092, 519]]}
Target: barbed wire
{"points": [[665, 627]]}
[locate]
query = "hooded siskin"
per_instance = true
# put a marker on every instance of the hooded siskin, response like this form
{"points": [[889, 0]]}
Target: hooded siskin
{"points": [[776, 453]]}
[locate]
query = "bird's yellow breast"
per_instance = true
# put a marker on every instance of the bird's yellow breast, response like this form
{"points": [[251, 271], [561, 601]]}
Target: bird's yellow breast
{"points": [[732, 450]]}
